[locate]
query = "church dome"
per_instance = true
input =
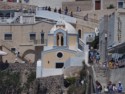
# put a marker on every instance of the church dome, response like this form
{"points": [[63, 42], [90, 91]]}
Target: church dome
{"points": [[67, 27]]}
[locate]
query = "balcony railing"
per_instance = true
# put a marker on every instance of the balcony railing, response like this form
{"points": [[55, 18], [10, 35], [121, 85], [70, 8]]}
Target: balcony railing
{"points": [[40, 42]]}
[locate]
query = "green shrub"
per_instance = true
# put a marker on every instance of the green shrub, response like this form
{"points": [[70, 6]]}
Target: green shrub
{"points": [[111, 6], [71, 80]]}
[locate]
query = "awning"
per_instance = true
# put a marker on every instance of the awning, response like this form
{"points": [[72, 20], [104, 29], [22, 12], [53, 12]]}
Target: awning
{"points": [[2, 53], [120, 48]]}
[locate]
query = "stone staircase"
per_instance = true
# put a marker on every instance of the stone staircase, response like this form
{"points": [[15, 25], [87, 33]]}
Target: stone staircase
{"points": [[8, 46], [100, 74]]}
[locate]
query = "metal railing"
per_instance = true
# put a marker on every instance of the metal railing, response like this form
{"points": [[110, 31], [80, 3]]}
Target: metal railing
{"points": [[81, 44], [40, 42], [69, 14]]}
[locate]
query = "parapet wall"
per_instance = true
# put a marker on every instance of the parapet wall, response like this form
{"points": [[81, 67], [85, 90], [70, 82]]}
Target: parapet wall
{"points": [[20, 67]]}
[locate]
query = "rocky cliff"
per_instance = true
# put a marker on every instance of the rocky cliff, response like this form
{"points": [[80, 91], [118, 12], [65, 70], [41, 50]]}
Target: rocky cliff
{"points": [[21, 79]]}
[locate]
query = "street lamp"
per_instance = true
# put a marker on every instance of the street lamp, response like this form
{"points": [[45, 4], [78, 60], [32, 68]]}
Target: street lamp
{"points": [[106, 47]]}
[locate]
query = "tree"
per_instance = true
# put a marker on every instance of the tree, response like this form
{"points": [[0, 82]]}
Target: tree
{"points": [[95, 43]]}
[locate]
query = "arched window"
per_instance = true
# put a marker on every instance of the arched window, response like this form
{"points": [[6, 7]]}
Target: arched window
{"points": [[79, 33], [59, 39]]}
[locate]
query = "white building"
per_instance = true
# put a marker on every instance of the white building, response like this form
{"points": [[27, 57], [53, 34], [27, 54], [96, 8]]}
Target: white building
{"points": [[111, 29]]}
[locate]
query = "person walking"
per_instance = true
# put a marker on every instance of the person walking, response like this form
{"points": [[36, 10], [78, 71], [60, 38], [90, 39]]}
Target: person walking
{"points": [[55, 10], [71, 14], [114, 88], [110, 87], [66, 10], [98, 87], [120, 87], [60, 11]]}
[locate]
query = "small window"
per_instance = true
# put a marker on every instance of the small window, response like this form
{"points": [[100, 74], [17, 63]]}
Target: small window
{"points": [[32, 36], [13, 49], [120, 4], [8, 37], [59, 55]]}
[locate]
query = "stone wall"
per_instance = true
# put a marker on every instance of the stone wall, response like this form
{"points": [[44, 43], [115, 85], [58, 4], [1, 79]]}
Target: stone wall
{"points": [[50, 85], [21, 67]]}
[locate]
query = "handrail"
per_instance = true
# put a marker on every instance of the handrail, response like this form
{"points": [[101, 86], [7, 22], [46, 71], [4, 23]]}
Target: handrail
{"points": [[81, 43], [92, 72]]}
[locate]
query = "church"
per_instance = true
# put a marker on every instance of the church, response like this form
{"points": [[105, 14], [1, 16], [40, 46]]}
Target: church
{"points": [[64, 49]]}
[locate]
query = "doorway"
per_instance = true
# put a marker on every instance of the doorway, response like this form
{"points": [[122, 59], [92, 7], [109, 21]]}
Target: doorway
{"points": [[98, 5], [42, 37], [59, 65]]}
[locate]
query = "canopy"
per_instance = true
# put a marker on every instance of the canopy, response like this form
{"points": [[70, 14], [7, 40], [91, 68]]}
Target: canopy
{"points": [[2, 53]]}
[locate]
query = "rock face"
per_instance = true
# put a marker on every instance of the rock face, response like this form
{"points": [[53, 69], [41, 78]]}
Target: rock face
{"points": [[50, 85], [23, 79]]}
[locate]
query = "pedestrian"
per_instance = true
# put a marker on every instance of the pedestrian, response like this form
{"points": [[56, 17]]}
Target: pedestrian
{"points": [[97, 58], [77, 9], [110, 87], [98, 87], [59, 11], [104, 65], [55, 10], [46, 8], [71, 14], [120, 87], [114, 88], [49, 9], [105, 90], [66, 10]]}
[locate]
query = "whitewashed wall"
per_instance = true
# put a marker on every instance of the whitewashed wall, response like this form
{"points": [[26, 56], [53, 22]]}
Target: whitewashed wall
{"points": [[51, 72]]}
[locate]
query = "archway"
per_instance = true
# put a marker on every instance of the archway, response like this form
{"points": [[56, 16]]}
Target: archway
{"points": [[31, 53]]}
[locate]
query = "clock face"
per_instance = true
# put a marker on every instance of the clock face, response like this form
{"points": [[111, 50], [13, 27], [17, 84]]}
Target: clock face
{"points": [[26, 1]]}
